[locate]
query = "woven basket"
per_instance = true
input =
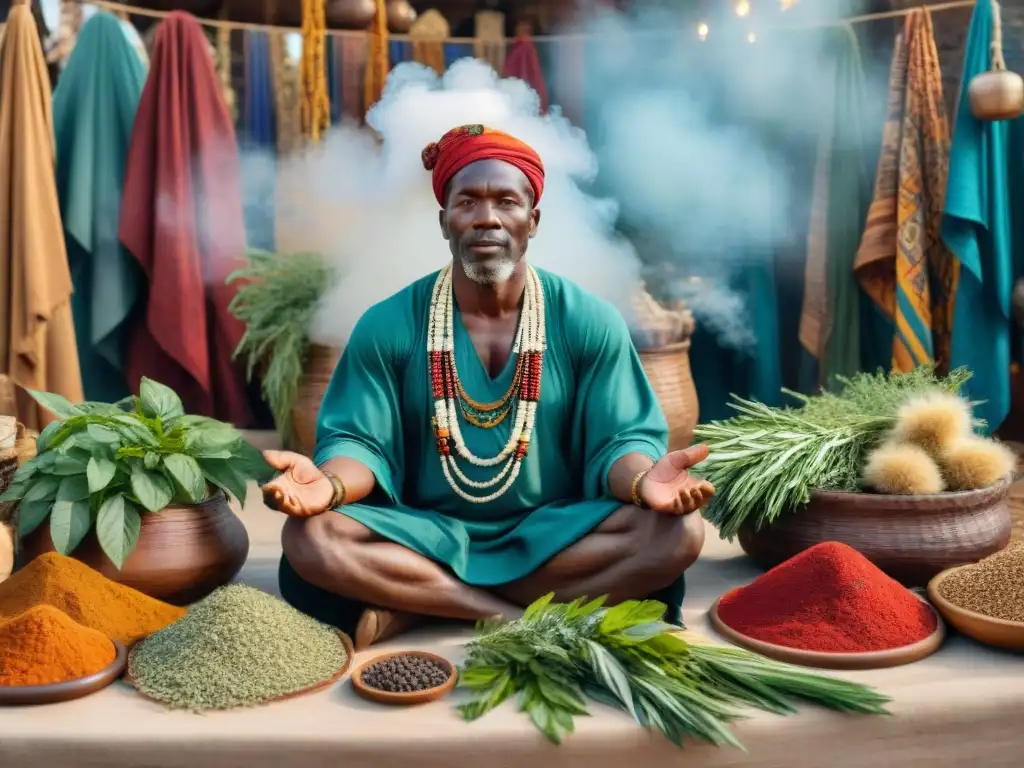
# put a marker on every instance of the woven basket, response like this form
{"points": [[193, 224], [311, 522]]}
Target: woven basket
{"points": [[320, 363], [668, 369], [911, 538]]}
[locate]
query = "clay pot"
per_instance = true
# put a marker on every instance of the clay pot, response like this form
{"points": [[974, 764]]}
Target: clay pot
{"points": [[320, 364], [996, 95], [183, 553], [350, 14], [911, 538], [401, 16]]}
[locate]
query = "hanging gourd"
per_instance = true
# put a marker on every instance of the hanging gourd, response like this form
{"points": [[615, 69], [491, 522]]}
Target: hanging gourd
{"points": [[401, 16], [999, 93]]}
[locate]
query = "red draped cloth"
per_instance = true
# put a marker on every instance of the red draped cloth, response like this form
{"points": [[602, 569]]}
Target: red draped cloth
{"points": [[181, 217], [523, 61]]}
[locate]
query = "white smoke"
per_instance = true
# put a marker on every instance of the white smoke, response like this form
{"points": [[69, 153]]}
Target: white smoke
{"points": [[384, 231]]}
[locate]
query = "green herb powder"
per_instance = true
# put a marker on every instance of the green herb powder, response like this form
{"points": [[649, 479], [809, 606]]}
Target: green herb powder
{"points": [[238, 647]]}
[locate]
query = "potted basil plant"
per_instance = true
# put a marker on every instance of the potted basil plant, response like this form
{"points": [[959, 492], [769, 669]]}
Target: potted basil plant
{"points": [[139, 491]]}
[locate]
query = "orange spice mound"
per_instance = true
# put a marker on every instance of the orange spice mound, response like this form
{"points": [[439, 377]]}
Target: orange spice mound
{"points": [[44, 645], [87, 596], [828, 598]]}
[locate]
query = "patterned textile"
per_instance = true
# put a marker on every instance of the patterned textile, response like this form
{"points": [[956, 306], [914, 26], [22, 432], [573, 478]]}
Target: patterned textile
{"points": [[902, 263]]}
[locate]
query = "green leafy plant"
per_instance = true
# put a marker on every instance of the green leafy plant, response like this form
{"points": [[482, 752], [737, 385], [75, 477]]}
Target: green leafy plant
{"points": [[104, 465], [559, 654], [765, 461], [277, 302]]}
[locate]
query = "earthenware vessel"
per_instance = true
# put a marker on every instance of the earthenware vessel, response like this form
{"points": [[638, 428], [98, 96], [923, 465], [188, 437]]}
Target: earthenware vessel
{"points": [[183, 552], [911, 538]]}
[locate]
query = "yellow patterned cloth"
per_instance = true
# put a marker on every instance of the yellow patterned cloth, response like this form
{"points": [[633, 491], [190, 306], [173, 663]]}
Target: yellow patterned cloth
{"points": [[902, 263]]}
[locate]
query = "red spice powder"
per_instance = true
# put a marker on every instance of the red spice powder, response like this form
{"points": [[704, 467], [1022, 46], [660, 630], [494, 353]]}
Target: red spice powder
{"points": [[828, 598]]}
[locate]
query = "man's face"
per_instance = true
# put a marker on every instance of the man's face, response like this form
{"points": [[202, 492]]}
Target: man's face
{"points": [[489, 219]]}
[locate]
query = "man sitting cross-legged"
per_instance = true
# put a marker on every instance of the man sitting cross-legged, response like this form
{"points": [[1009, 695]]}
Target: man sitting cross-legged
{"points": [[488, 437]]}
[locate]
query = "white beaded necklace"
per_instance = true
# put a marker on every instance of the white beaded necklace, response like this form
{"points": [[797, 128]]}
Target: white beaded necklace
{"points": [[530, 342]]}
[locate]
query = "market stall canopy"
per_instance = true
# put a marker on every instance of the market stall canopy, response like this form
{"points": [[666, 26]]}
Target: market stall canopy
{"points": [[182, 220], [37, 342]]}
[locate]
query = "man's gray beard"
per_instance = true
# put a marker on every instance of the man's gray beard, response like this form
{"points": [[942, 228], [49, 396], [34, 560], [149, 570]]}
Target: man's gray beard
{"points": [[493, 273]]}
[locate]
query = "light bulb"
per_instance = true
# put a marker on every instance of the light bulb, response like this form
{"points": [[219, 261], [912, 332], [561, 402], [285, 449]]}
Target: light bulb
{"points": [[702, 31], [742, 8], [751, 37]]}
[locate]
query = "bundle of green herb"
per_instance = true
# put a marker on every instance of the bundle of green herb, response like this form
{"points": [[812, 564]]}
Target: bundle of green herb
{"points": [[625, 656], [277, 302], [105, 464], [765, 461]]}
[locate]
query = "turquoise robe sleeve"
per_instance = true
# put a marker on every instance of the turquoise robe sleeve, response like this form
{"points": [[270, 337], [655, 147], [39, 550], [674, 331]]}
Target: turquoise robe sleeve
{"points": [[360, 417], [616, 411]]}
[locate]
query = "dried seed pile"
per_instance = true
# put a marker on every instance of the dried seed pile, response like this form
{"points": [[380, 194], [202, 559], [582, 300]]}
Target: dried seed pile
{"points": [[993, 587], [405, 674], [238, 647]]}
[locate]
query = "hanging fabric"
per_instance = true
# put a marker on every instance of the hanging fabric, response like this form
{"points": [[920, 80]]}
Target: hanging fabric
{"points": [[287, 109], [902, 263], [93, 112], [523, 62], [377, 65], [455, 51], [335, 73], [982, 227], [258, 175], [489, 39], [181, 218], [37, 344], [428, 34], [316, 107], [830, 320], [354, 53]]}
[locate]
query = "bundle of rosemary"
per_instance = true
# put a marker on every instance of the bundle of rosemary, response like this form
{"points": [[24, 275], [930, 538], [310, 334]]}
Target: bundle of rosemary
{"points": [[625, 656], [277, 302], [765, 461]]}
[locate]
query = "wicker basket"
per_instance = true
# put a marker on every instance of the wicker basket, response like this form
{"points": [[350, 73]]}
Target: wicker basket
{"points": [[668, 369], [320, 363], [911, 538]]}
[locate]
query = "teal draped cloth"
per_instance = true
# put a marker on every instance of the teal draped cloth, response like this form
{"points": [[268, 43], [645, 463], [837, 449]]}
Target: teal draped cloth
{"points": [[596, 405], [985, 177], [93, 111]]}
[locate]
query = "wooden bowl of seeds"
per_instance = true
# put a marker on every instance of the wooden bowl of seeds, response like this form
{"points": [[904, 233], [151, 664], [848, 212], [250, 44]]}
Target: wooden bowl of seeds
{"points": [[404, 678], [983, 600]]}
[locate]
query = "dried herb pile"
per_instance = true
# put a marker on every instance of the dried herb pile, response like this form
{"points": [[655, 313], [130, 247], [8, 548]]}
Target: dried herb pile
{"points": [[236, 648], [558, 655], [765, 461]]}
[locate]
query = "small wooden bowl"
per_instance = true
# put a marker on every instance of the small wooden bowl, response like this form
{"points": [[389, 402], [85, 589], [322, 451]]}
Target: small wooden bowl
{"points": [[1000, 633], [823, 660], [405, 699], [349, 655], [26, 695]]}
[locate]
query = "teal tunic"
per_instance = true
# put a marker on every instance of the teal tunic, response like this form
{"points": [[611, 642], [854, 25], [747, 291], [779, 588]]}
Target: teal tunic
{"points": [[596, 406]]}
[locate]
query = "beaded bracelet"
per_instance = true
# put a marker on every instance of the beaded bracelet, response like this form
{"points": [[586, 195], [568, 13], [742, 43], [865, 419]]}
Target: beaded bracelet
{"points": [[634, 490]]}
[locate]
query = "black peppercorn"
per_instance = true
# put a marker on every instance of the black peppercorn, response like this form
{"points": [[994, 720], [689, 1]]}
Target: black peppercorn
{"points": [[406, 674]]}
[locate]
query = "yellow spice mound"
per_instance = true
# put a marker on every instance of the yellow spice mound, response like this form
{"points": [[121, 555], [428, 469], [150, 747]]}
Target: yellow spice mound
{"points": [[44, 646], [86, 596], [902, 469]]}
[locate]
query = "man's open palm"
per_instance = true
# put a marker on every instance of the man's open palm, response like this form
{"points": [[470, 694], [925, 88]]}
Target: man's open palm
{"points": [[301, 490], [668, 487]]}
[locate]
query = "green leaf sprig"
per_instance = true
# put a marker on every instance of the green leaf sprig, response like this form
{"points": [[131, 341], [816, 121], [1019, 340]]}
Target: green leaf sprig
{"points": [[277, 301], [765, 461], [104, 465], [560, 654]]}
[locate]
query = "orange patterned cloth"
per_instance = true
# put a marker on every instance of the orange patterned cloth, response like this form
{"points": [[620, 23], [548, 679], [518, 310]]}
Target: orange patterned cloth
{"points": [[470, 143], [902, 263]]}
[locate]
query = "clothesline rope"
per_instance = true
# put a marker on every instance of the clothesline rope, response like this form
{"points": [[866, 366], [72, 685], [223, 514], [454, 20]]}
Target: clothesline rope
{"points": [[133, 10]]}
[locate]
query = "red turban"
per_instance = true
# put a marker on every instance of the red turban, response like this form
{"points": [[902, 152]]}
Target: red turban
{"points": [[469, 143]]}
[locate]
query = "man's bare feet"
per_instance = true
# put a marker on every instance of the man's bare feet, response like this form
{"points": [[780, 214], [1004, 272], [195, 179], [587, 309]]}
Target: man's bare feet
{"points": [[379, 624]]}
